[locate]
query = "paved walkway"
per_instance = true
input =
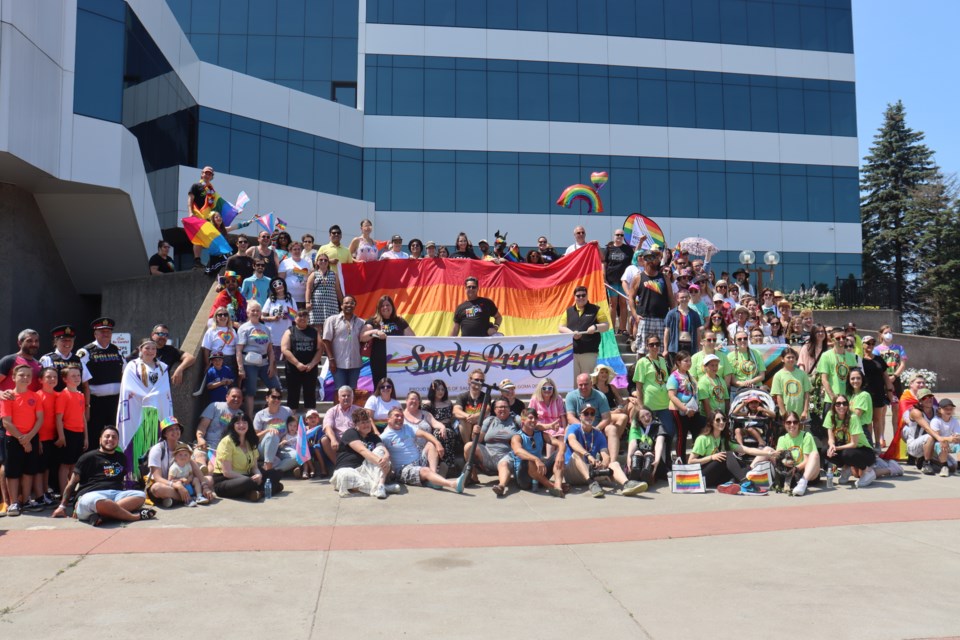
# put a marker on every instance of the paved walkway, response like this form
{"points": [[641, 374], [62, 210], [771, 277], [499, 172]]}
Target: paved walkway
{"points": [[868, 563]]}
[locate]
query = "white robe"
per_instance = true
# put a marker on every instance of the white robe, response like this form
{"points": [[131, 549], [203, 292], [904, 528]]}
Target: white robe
{"points": [[138, 389]]}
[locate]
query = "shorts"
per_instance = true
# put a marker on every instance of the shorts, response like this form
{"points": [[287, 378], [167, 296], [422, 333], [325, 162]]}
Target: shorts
{"points": [[521, 469], [572, 473], [50, 456], [87, 503], [71, 452], [3, 448], [486, 461], [20, 463], [915, 446], [410, 474], [618, 287], [952, 448], [648, 327]]}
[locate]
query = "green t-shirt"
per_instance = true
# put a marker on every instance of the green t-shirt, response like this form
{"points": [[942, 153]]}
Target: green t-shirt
{"points": [[697, 370], [799, 447], [791, 385], [841, 436], [713, 389], [837, 368], [653, 377], [708, 445], [864, 402], [637, 433], [745, 366]]}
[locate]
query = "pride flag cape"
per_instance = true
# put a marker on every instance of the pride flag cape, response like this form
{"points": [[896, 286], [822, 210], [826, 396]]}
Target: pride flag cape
{"points": [[897, 450], [203, 233], [532, 298], [304, 436], [772, 355]]}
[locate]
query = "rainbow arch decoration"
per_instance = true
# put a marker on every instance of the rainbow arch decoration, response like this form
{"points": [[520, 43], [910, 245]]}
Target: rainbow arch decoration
{"points": [[582, 192]]}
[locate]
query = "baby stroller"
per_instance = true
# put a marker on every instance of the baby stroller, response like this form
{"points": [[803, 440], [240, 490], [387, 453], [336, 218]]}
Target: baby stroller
{"points": [[762, 424]]}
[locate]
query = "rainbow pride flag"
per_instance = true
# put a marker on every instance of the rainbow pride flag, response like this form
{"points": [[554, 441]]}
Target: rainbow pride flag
{"points": [[203, 233], [532, 299], [214, 203], [687, 481]]}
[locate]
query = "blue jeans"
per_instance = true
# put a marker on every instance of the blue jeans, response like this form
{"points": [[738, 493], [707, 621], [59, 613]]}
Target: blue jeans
{"points": [[254, 373], [666, 419], [349, 377]]}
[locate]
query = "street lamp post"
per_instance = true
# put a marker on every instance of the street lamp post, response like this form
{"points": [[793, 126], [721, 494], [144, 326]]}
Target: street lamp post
{"points": [[771, 259]]}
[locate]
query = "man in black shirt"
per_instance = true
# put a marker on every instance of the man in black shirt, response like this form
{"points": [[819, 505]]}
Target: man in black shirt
{"points": [[100, 476], [178, 361], [586, 321], [161, 262], [362, 460], [472, 317], [468, 405], [650, 298], [240, 263], [196, 200]]}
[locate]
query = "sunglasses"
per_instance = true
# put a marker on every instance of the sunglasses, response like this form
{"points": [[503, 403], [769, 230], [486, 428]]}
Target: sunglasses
{"points": [[386, 386], [259, 265], [618, 235], [720, 420], [162, 334], [548, 388], [336, 233], [273, 397], [741, 339], [471, 286], [791, 422], [477, 380], [581, 295], [588, 413], [840, 404], [709, 339], [223, 315], [653, 344]]}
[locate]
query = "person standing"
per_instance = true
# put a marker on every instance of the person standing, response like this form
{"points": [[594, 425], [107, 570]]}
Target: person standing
{"points": [[364, 248], [385, 323], [579, 240], [472, 317], [586, 321], [264, 251], [29, 343], [161, 262], [833, 368], [176, 360], [681, 328], [257, 286], [294, 270], [323, 293], [337, 253], [341, 341], [104, 362], [395, 252], [616, 259], [300, 347], [240, 263], [63, 355], [199, 197], [650, 297]]}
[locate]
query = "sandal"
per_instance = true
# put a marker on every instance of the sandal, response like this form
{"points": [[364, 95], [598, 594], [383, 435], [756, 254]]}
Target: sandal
{"points": [[95, 521], [499, 489], [147, 514]]}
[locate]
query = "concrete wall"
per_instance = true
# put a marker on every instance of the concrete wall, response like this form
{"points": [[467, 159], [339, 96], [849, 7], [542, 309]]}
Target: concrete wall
{"points": [[179, 300], [38, 290], [866, 320], [941, 355]]}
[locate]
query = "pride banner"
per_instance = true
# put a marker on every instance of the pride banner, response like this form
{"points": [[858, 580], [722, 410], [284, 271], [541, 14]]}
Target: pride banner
{"points": [[772, 355], [415, 362], [532, 298]]}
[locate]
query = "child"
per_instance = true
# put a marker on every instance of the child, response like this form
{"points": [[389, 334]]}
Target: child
{"points": [[220, 378], [49, 378], [752, 408], [180, 473], [71, 423], [288, 446], [22, 418], [641, 459]]}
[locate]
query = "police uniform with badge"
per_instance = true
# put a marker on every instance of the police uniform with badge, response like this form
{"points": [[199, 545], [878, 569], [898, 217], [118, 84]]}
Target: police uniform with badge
{"points": [[105, 365], [58, 360]]}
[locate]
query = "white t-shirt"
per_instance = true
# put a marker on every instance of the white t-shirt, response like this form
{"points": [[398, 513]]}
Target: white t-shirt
{"points": [[945, 429], [379, 408], [296, 276], [222, 339], [394, 255], [279, 327], [573, 248], [629, 275]]}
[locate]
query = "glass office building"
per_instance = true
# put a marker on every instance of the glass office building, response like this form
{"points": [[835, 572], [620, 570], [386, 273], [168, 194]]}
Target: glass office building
{"points": [[729, 119]]}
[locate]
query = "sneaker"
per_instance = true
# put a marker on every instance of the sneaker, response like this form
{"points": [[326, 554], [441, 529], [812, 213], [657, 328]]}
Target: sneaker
{"points": [[634, 487], [749, 489], [944, 471], [729, 488], [33, 505], [192, 503], [595, 489], [166, 503], [462, 480], [13, 510], [869, 475], [197, 265], [3, 509], [927, 469], [297, 473], [379, 492], [254, 496], [801, 487], [48, 500], [844, 476], [203, 500], [393, 488]]}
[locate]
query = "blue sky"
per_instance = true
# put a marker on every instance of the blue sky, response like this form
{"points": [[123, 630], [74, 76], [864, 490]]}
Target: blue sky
{"points": [[910, 50]]}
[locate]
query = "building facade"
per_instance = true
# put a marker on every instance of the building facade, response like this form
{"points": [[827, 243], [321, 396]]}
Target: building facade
{"points": [[728, 119]]}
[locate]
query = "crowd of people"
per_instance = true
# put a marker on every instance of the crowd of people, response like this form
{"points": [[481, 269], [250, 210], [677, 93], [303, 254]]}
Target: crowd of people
{"points": [[87, 424]]}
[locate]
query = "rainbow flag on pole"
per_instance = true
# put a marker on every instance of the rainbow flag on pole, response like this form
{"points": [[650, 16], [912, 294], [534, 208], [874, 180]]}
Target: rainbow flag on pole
{"points": [[532, 298], [215, 203], [203, 233]]}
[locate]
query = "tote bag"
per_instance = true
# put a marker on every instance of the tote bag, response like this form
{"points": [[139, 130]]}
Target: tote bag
{"points": [[687, 478]]}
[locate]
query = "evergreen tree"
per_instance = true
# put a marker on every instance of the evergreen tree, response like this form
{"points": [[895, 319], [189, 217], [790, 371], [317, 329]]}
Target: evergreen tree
{"points": [[897, 165], [935, 211]]}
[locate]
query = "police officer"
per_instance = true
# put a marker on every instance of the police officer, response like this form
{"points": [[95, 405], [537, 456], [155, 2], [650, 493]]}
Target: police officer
{"points": [[104, 361], [62, 355]]}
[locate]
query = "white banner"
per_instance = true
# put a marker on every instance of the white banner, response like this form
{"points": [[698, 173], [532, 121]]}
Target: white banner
{"points": [[414, 362]]}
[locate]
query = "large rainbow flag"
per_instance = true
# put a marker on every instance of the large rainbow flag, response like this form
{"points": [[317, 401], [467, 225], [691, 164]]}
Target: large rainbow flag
{"points": [[214, 202], [532, 298]]}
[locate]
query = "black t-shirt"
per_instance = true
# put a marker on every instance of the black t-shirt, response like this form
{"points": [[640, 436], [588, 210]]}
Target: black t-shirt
{"points": [[615, 262], [199, 192], [347, 458], [652, 300], [517, 407], [165, 264], [303, 343], [874, 381], [395, 326], [468, 404], [170, 356], [468, 255], [242, 265], [100, 471], [474, 317], [549, 255]]}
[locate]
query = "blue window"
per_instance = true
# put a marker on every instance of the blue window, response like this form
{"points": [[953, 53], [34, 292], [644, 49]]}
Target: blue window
{"points": [[621, 18], [440, 94], [472, 13], [407, 188], [709, 106], [706, 20], [534, 96], [441, 179], [760, 29], [594, 96], [733, 21], [262, 19], [624, 101], [289, 58], [502, 14], [843, 113], [408, 11], [215, 143], [562, 16], [816, 112], [712, 193], [681, 96], [655, 192], [204, 17], [624, 196], [326, 172], [471, 187], [650, 19], [440, 12], [535, 189], [820, 198], [653, 101], [99, 67], [408, 92], [767, 197], [273, 160], [532, 15], [244, 154], [794, 195], [503, 100], [299, 166], [736, 107], [813, 27], [503, 188], [683, 194], [591, 17], [471, 94], [740, 197], [678, 20], [319, 18], [290, 17], [790, 110], [786, 20]]}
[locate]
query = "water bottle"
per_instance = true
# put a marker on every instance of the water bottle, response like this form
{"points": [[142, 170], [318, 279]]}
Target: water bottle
{"points": [[268, 489], [535, 487], [829, 476]]}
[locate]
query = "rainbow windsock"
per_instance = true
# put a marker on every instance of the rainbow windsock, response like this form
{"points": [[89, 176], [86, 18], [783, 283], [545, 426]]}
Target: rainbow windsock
{"points": [[533, 299], [637, 225], [202, 233], [584, 193]]}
